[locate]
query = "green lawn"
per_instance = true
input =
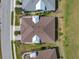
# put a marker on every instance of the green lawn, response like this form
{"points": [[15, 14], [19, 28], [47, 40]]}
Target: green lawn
{"points": [[21, 47], [68, 10], [18, 13], [71, 42], [68, 41]]}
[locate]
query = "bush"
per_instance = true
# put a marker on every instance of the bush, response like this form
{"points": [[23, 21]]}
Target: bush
{"points": [[45, 13], [60, 33], [43, 48], [36, 47], [18, 10], [18, 2], [17, 20], [66, 41], [17, 32], [12, 17], [40, 13]]}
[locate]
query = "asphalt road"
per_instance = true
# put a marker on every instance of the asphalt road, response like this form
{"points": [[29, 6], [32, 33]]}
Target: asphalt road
{"points": [[5, 30], [0, 12]]}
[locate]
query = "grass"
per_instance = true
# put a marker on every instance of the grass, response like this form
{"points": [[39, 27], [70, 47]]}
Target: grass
{"points": [[60, 33], [18, 13], [71, 43], [21, 47], [45, 13], [17, 20], [68, 10], [67, 41]]}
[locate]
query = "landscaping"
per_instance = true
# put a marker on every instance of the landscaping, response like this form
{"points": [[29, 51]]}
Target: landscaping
{"points": [[71, 44], [45, 13], [67, 41], [18, 14], [22, 48], [18, 2], [17, 32]]}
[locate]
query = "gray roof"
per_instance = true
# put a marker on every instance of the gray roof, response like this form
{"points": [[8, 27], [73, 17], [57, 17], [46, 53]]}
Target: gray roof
{"points": [[30, 5]]}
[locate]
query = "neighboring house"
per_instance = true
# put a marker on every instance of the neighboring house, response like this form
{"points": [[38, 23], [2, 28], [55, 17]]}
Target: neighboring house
{"points": [[37, 29], [45, 54], [35, 5]]}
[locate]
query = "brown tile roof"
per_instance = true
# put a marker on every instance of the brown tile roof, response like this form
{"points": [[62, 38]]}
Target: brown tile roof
{"points": [[45, 29], [45, 54]]}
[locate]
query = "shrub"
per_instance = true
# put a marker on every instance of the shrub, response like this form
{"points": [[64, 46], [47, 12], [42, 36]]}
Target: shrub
{"points": [[66, 41], [60, 33], [18, 10], [12, 17], [18, 2], [17, 32]]}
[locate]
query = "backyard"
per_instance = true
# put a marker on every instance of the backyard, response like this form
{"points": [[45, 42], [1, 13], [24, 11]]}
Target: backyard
{"points": [[72, 29], [22, 48]]}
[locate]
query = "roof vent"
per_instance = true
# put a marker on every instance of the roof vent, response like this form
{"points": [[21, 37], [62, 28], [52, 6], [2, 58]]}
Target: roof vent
{"points": [[40, 5], [35, 19], [36, 39], [33, 54]]}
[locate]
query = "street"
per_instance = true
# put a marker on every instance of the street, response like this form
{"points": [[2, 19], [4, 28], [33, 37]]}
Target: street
{"points": [[5, 30]]}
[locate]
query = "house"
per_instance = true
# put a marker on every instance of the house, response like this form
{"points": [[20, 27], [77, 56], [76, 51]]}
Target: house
{"points": [[35, 5], [45, 54], [37, 29]]}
